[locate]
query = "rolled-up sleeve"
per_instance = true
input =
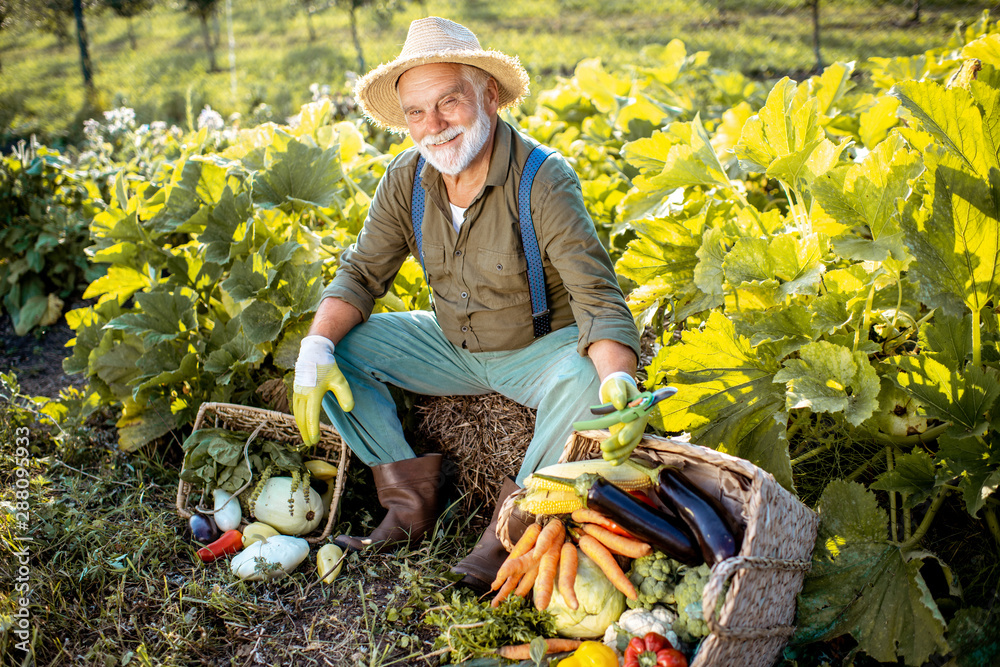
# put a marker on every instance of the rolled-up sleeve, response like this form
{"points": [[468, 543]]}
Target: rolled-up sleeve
{"points": [[583, 264]]}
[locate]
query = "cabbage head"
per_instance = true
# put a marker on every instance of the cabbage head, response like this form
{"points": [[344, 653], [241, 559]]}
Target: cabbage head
{"points": [[600, 603]]}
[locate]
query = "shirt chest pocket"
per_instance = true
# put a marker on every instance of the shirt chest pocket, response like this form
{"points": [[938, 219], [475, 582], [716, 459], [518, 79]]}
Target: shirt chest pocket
{"points": [[503, 278], [439, 274]]}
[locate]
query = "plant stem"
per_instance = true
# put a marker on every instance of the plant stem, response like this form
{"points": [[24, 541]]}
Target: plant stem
{"points": [[892, 496], [900, 442], [977, 357], [867, 319], [863, 467], [907, 523], [925, 523], [812, 453], [801, 419]]}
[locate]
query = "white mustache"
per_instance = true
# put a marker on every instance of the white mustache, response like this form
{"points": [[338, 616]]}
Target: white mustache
{"points": [[443, 137]]}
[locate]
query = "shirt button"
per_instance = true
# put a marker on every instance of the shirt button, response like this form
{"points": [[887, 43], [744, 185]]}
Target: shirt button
{"points": [[465, 295], [465, 328], [458, 253], [499, 267]]}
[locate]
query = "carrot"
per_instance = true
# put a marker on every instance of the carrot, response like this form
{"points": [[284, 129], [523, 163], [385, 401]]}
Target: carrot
{"points": [[554, 532], [523, 546], [587, 515], [527, 582], [567, 574], [508, 587], [609, 566], [626, 546], [553, 645], [546, 579]]}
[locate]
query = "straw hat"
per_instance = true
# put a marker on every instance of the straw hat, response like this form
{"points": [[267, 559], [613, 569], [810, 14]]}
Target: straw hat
{"points": [[436, 40]]}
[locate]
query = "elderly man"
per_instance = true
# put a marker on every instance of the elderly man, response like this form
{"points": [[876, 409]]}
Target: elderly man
{"points": [[526, 302]]}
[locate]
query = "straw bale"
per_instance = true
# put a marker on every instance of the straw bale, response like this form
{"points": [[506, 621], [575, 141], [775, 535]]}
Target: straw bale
{"points": [[486, 436]]}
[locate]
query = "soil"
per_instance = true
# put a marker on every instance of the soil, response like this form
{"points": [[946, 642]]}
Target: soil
{"points": [[37, 357]]}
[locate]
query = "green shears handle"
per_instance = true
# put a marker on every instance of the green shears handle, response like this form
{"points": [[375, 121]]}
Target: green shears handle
{"points": [[639, 406]]}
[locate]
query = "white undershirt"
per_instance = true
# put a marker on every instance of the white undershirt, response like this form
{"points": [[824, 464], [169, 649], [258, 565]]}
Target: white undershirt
{"points": [[457, 216]]}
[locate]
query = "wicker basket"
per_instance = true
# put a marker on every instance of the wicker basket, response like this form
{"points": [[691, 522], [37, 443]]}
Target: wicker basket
{"points": [[765, 577], [280, 427]]}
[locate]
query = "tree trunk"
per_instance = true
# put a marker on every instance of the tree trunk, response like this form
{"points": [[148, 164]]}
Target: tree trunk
{"points": [[357, 40], [916, 12], [309, 24], [81, 40], [816, 49], [206, 34], [131, 33]]}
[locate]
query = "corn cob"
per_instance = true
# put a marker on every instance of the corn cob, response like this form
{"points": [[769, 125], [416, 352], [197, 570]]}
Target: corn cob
{"points": [[541, 501], [625, 477]]}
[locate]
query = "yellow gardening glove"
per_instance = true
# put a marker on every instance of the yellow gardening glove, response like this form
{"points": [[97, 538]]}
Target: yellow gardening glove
{"points": [[316, 372], [618, 389]]}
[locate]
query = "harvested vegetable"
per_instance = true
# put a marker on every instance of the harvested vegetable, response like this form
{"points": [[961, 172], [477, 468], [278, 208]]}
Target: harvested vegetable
{"points": [[609, 566], [625, 546], [599, 603], [690, 624], [627, 478], [666, 533], [591, 654], [523, 546], [552, 645], [567, 574], [257, 531], [539, 502], [471, 628], [548, 566], [653, 650], [270, 558], [654, 577], [329, 562], [704, 516], [283, 503], [203, 528], [321, 469], [230, 542], [587, 515], [227, 510]]}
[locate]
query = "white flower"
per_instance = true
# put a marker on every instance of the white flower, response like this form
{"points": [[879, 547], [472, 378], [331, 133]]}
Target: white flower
{"points": [[211, 119]]}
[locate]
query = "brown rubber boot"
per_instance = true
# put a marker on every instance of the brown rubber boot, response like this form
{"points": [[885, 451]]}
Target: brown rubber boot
{"points": [[409, 490], [481, 565]]}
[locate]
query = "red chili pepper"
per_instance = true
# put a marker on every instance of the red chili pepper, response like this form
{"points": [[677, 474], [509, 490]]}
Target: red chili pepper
{"points": [[230, 542], [653, 650]]}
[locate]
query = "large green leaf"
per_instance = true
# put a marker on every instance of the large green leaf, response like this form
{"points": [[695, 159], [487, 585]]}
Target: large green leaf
{"points": [[691, 160], [120, 282], [665, 249], [963, 398], [976, 462], [162, 316], [787, 125], [797, 262], [863, 586], [114, 362], [227, 226], [725, 397], [949, 338], [261, 322], [140, 424], [952, 117], [831, 378], [298, 174], [954, 237], [914, 475], [866, 194]]}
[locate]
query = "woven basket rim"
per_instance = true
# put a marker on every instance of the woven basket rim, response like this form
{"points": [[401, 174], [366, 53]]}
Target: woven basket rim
{"points": [[270, 422]]}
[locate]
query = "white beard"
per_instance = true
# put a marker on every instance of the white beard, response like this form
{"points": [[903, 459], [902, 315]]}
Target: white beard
{"points": [[452, 160]]}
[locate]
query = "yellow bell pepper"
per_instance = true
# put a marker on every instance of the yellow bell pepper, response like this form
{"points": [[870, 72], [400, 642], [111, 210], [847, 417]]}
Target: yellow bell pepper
{"points": [[591, 654]]}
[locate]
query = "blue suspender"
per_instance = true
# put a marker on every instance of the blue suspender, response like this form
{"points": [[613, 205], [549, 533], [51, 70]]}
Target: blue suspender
{"points": [[540, 316]]}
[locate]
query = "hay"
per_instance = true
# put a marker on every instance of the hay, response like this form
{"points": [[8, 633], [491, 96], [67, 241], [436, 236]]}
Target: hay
{"points": [[486, 436]]}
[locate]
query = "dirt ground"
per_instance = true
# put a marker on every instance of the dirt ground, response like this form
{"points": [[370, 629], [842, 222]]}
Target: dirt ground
{"points": [[37, 358]]}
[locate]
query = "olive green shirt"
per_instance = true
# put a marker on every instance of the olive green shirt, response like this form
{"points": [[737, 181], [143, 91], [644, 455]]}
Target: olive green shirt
{"points": [[479, 275]]}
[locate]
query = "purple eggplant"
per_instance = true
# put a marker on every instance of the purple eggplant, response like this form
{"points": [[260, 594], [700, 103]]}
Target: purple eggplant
{"points": [[665, 533], [203, 528], [704, 515]]}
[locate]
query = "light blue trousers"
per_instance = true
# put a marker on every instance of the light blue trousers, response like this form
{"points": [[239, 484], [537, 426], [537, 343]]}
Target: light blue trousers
{"points": [[410, 351]]}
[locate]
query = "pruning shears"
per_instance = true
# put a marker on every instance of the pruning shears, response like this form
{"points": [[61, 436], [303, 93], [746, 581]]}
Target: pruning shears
{"points": [[639, 406]]}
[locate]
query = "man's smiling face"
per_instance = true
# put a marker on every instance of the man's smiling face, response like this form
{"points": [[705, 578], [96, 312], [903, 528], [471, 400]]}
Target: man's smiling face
{"points": [[446, 118]]}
